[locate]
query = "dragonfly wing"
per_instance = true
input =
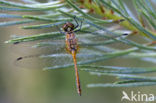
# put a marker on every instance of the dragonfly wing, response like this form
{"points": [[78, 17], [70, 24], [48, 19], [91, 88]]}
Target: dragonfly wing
{"points": [[29, 53], [52, 53], [29, 48], [55, 60]]}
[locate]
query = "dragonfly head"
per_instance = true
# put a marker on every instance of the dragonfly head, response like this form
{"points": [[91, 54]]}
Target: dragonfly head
{"points": [[67, 27]]}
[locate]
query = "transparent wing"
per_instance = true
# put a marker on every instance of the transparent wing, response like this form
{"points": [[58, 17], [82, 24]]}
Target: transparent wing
{"points": [[54, 59], [52, 53]]}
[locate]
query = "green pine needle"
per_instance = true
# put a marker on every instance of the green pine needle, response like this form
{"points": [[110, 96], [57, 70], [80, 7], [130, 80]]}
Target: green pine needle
{"points": [[100, 28]]}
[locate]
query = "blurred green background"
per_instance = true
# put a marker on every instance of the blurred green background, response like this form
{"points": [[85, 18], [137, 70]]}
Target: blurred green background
{"points": [[55, 86]]}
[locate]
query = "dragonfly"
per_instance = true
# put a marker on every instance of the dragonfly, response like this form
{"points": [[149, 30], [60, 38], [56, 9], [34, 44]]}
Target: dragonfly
{"points": [[73, 49]]}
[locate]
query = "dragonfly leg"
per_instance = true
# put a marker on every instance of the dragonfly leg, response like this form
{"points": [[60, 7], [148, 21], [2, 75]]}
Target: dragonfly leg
{"points": [[79, 28], [77, 24]]}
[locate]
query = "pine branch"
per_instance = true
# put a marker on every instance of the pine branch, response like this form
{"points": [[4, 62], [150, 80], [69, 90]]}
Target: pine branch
{"points": [[113, 12]]}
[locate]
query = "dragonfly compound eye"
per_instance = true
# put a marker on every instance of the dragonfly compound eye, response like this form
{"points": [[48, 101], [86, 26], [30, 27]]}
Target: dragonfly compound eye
{"points": [[68, 27]]}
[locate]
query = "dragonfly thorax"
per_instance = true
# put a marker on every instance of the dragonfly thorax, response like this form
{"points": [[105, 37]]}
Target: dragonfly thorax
{"points": [[71, 42]]}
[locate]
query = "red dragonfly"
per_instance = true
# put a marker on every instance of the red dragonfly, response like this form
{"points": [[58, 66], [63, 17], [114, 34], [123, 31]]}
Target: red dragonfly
{"points": [[72, 47], [86, 55]]}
